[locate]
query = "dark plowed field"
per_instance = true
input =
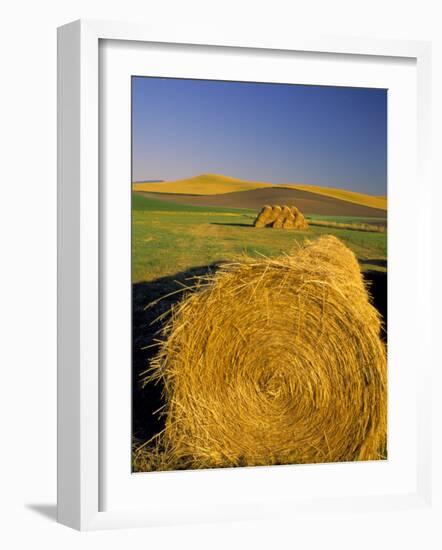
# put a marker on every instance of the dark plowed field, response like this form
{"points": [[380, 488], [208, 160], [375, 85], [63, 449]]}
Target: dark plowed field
{"points": [[308, 203]]}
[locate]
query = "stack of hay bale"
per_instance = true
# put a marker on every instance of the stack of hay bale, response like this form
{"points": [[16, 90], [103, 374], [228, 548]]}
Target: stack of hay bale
{"points": [[281, 217]]}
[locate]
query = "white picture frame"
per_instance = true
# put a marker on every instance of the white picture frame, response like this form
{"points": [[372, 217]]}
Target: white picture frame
{"points": [[80, 393]]}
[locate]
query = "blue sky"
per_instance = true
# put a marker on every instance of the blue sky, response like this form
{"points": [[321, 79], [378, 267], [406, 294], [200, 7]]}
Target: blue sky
{"points": [[278, 133]]}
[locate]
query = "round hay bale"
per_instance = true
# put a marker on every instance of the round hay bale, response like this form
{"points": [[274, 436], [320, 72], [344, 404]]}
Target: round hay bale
{"points": [[274, 361], [280, 219], [263, 216], [276, 212], [300, 222], [289, 222]]}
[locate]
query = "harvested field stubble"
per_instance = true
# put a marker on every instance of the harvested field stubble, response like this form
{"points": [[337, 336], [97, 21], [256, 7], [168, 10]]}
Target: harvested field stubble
{"points": [[373, 228], [272, 361]]}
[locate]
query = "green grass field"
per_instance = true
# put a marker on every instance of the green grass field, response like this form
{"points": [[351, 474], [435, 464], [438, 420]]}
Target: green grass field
{"points": [[170, 238]]}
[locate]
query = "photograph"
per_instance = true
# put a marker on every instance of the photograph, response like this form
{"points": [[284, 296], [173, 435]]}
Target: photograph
{"points": [[221, 292], [259, 274]]}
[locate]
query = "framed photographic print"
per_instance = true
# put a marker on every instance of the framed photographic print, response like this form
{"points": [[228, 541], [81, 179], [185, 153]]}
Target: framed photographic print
{"points": [[231, 239]]}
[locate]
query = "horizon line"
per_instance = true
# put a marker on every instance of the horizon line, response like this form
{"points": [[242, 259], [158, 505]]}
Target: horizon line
{"points": [[213, 174]]}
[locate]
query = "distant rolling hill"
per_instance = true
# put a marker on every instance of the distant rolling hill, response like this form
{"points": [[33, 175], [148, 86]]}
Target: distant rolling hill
{"points": [[307, 202], [205, 184], [217, 185]]}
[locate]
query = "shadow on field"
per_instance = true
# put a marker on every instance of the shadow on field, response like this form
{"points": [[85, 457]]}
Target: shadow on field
{"points": [[146, 401], [233, 224], [377, 286]]}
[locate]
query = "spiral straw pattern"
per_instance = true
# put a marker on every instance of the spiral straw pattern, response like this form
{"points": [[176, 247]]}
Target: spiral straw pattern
{"points": [[273, 361]]}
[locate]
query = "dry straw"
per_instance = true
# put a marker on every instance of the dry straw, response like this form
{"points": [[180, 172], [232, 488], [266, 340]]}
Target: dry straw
{"points": [[272, 361]]}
